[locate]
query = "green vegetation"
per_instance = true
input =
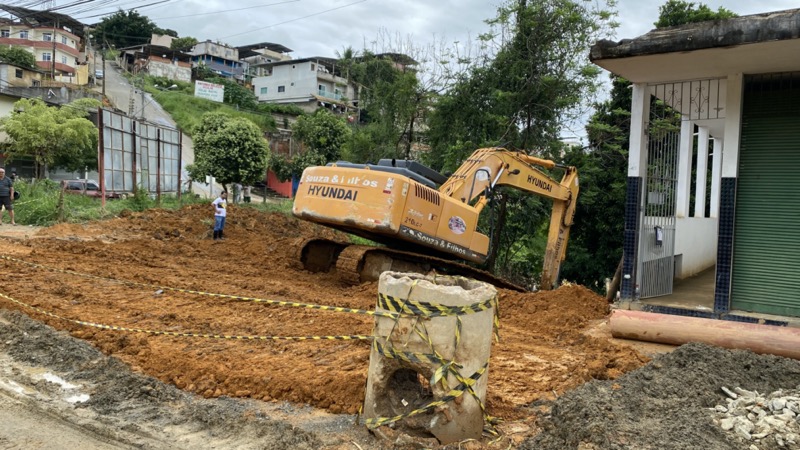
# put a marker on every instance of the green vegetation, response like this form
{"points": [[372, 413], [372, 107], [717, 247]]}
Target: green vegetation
{"points": [[18, 56], [126, 28], [231, 149], [679, 12], [183, 44], [187, 110], [324, 135], [50, 135], [42, 203]]}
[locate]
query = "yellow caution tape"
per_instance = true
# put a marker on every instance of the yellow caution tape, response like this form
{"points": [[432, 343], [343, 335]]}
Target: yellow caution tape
{"points": [[207, 294], [193, 335], [450, 396], [425, 309]]}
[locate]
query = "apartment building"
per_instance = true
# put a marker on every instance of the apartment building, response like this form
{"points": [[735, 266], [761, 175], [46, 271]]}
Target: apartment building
{"points": [[309, 83], [258, 58], [220, 58], [57, 50]]}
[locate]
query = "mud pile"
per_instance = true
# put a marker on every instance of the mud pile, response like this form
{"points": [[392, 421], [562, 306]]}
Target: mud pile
{"points": [[544, 349], [668, 404]]}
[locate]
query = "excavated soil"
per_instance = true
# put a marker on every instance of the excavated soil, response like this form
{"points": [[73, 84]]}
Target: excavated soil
{"points": [[544, 352]]}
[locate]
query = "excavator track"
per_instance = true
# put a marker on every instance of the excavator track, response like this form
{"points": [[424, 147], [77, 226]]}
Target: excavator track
{"points": [[355, 264]]}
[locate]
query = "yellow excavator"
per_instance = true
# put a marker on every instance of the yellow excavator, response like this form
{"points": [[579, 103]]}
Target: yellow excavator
{"points": [[425, 219]]}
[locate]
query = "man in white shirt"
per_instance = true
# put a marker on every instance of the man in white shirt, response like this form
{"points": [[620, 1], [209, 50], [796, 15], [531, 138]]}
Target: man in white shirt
{"points": [[220, 205]]}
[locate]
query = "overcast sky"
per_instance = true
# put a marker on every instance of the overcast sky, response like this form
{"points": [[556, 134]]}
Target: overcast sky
{"points": [[323, 27]]}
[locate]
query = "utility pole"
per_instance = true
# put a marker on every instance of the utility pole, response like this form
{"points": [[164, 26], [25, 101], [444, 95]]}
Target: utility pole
{"points": [[141, 91], [103, 54], [53, 58]]}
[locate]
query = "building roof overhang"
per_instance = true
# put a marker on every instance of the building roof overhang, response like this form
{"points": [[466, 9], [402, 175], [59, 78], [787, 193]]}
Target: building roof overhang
{"points": [[35, 17], [759, 43]]}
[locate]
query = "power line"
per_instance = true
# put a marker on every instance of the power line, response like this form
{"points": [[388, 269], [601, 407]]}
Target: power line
{"points": [[226, 10], [293, 20]]}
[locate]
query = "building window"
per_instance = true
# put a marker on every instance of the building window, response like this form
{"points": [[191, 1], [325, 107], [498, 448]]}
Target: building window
{"points": [[322, 88], [5, 33], [23, 34], [281, 88], [263, 91], [47, 57], [18, 73], [64, 40], [313, 67], [64, 60], [47, 36]]}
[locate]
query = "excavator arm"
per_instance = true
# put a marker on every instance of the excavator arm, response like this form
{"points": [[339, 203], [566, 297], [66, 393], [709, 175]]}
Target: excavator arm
{"points": [[490, 167]]}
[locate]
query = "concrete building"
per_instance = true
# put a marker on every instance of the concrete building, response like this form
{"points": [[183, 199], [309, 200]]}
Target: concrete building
{"points": [[220, 58], [157, 59], [12, 76], [51, 46], [257, 58], [309, 83], [713, 163]]}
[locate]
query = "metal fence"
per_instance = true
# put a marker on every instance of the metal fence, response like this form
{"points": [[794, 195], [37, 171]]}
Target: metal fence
{"points": [[137, 154]]}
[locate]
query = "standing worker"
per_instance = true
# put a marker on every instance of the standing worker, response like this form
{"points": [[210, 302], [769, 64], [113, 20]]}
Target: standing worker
{"points": [[6, 196], [247, 194], [220, 212]]}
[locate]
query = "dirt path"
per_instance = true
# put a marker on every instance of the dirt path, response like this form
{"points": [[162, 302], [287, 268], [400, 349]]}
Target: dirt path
{"points": [[551, 342]]}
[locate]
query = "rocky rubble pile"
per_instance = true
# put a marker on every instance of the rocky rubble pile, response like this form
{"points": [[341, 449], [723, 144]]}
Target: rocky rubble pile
{"points": [[768, 421]]}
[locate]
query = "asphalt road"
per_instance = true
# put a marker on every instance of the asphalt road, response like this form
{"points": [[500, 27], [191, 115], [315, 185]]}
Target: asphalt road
{"points": [[119, 92]]}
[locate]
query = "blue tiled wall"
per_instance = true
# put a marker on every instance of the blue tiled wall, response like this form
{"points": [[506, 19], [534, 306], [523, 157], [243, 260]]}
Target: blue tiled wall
{"points": [[631, 238], [727, 203]]}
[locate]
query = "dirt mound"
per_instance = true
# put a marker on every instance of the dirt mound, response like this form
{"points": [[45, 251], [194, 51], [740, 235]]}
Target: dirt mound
{"points": [[128, 409], [667, 404], [543, 353]]}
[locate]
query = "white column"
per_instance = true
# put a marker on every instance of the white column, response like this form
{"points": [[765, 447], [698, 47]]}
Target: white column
{"points": [[685, 169], [733, 125], [702, 173], [640, 112], [716, 176]]}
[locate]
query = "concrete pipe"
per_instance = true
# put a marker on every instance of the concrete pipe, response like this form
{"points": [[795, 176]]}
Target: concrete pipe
{"points": [[399, 384], [679, 330]]}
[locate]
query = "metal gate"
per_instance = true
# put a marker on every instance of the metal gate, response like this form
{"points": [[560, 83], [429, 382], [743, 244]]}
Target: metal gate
{"points": [[671, 105], [657, 235]]}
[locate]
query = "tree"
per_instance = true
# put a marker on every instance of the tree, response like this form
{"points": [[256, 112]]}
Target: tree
{"points": [[183, 44], [595, 245], [124, 29], [86, 156], [18, 56], [323, 133], [538, 77], [236, 94], [679, 12], [231, 149], [48, 134]]}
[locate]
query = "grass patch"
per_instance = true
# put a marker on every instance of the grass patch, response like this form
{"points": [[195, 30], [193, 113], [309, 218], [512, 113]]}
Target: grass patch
{"points": [[42, 203], [187, 110]]}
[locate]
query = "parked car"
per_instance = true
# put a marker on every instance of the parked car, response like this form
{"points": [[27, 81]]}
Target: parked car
{"points": [[85, 187], [98, 74]]}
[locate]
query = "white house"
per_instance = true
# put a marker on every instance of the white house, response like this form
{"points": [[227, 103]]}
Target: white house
{"points": [[309, 83], [713, 164]]}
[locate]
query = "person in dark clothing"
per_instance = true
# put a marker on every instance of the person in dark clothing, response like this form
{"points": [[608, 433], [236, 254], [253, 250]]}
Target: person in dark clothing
{"points": [[6, 196]]}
